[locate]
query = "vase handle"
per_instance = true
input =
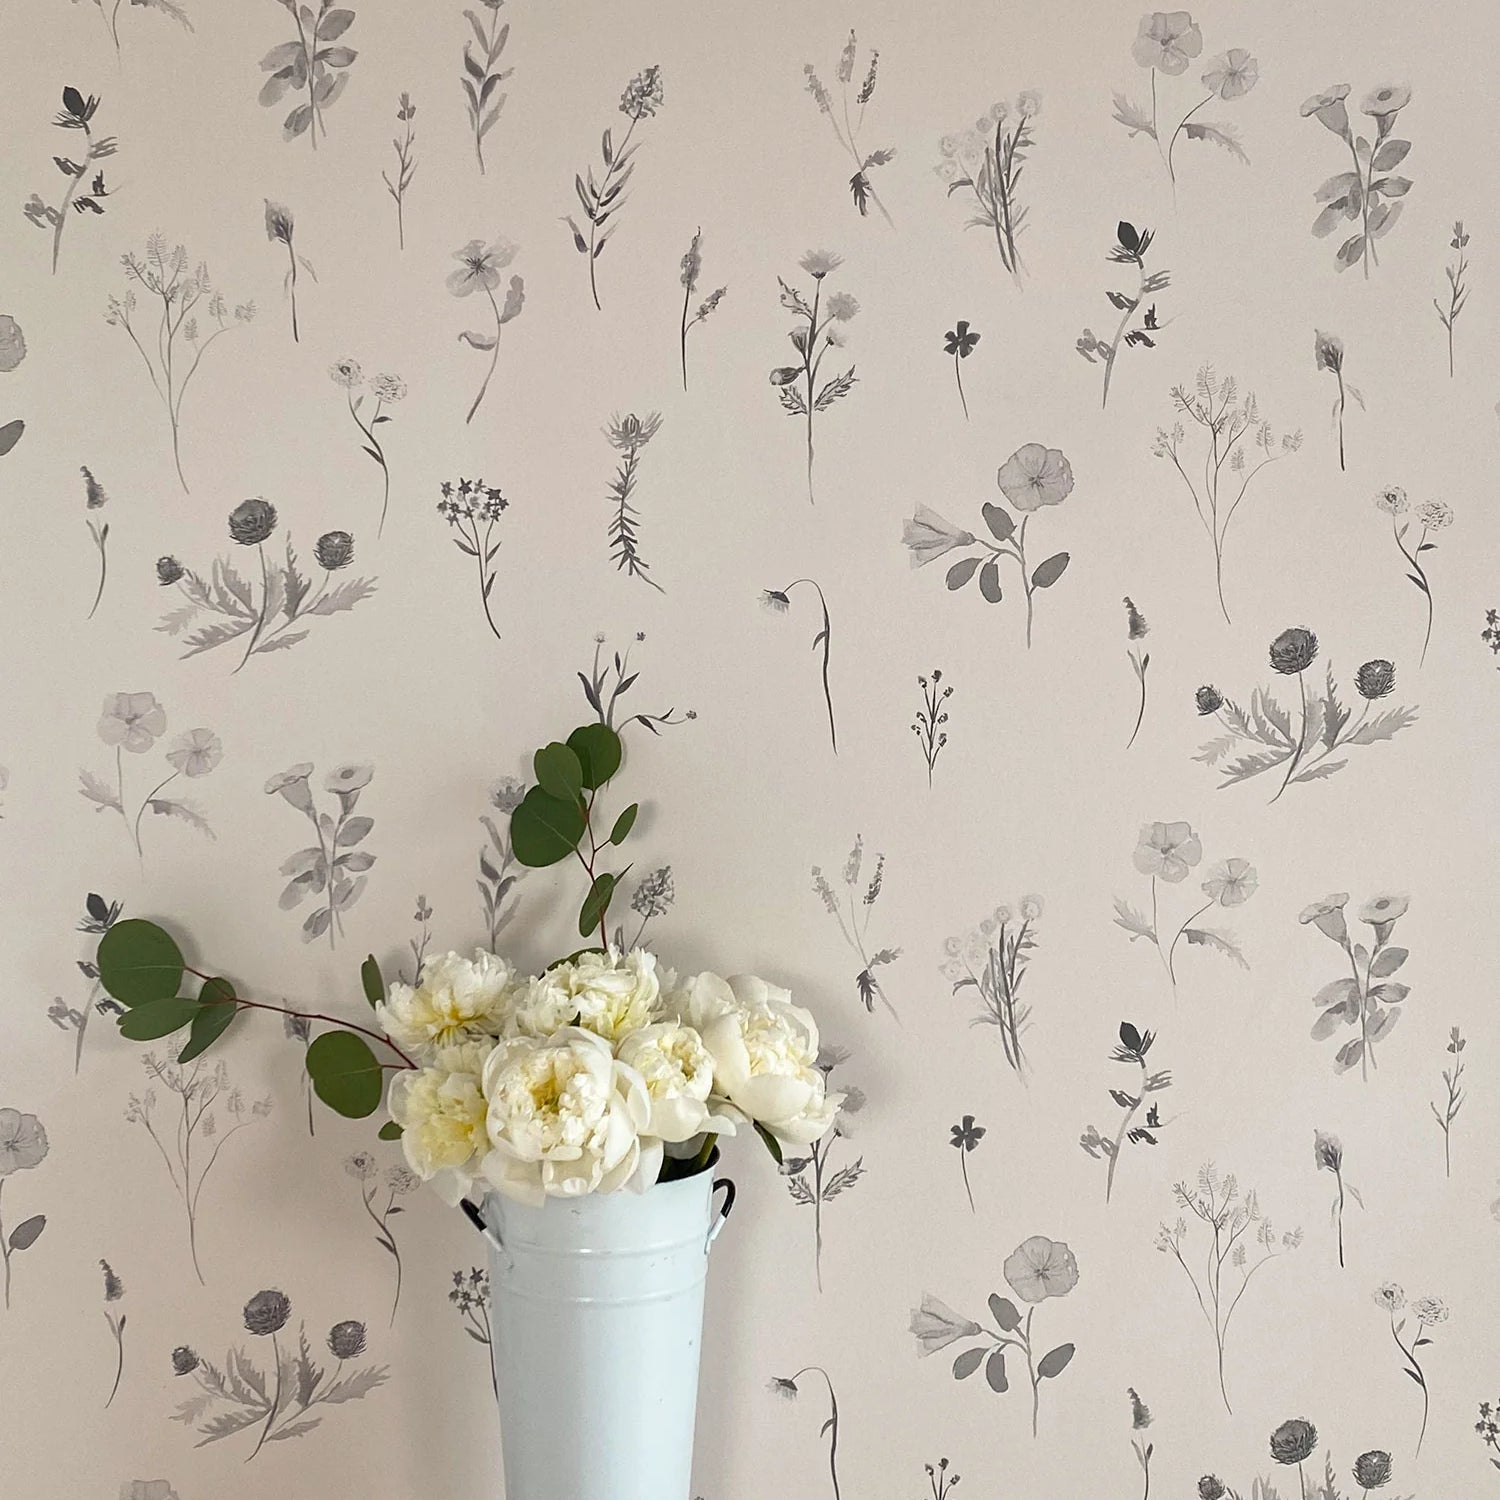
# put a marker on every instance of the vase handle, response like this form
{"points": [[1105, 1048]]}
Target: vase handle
{"points": [[477, 1219], [724, 1212]]}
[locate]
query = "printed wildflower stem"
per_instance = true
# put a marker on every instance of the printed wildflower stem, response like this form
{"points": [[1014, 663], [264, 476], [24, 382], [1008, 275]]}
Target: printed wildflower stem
{"points": [[1453, 1083], [692, 269], [1216, 1203], [1374, 1007], [786, 1387], [1364, 194], [1429, 1312], [1238, 444], [471, 1297], [1140, 660], [96, 499], [334, 869], [280, 229], [479, 267], [628, 435], [1132, 1048], [176, 344], [966, 1135], [406, 163], [602, 201], [779, 601], [606, 683], [387, 390], [928, 725], [419, 944], [114, 1290], [472, 508], [308, 65], [395, 1183], [98, 917], [499, 870], [991, 171], [993, 960], [111, 16], [23, 1145], [853, 916], [809, 1178], [1431, 515], [813, 335], [1129, 249], [940, 1481], [959, 341], [1328, 1156], [1488, 1428], [1458, 292], [192, 1139], [654, 896], [77, 113], [1140, 1420], [860, 187], [481, 77]]}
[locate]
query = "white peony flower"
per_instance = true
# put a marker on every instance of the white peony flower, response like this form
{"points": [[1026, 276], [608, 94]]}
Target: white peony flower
{"points": [[441, 1111], [606, 993], [678, 1071], [765, 1052], [566, 1118], [456, 1000]]}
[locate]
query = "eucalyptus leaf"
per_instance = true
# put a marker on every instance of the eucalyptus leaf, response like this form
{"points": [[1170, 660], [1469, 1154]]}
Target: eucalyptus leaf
{"points": [[624, 823], [594, 903], [545, 830], [139, 962], [157, 1018], [345, 1074], [599, 753], [390, 1131], [559, 772], [369, 977], [218, 1009]]}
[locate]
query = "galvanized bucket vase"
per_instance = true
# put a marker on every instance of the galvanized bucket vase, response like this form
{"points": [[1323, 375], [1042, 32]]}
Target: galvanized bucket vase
{"points": [[597, 1317]]}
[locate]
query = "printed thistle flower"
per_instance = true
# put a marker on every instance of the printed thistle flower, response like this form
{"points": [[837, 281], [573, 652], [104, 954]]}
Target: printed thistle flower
{"points": [[168, 571], [334, 550], [1379, 911], [1294, 1441], [967, 1135], [1430, 1310], [267, 1312], [1167, 41], [1385, 101], [1390, 1296], [1209, 699], [1294, 651], [388, 388], [643, 96], [820, 263], [279, 223], [1209, 1488], [1034, 476], [1231, 882], [960, 340], [1169, 850], [114, 1288], [347, 1340], [196, 753], [1330, 109], [479, 266], [346, 372], [251, 522], [936, 1325], [1372, 1469], [1391, 499], [1328, 1151], [1375, 679], [1435, 514], [1232, 74], [134, 721], [184, 1360], [631, 431], [1039, 1268]]}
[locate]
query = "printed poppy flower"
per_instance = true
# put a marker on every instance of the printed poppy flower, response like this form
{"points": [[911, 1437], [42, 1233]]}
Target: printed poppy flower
{"points": [[479, 266], [1231, 882], [12, 343], [23, 1142], [960, 340], [1232, 74], [196, 753], [1390, 1296], [1039, 1268], [346, 372], [1168, 40], [1391, 499], [1169, 850], [134, 721], [1034, 476]]}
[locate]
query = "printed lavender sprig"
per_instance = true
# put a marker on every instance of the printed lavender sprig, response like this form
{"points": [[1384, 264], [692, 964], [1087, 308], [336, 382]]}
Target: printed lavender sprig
{"points": [[1129, 249], [1237, 443], [992, 960], [133, 723], [499, 869], [114, 1291], [404, 146], [987, 161], [94, 498], [173, 348], [253, 620], [609, 679], [308, 66], [1166, 42], [959, 341], [470, 1296], [848, 132], [1372, 194], [280, 1401], [1328, 354], [77, 113], [473, 508], [1268, 738], [628, 436], [395, 1182], [1328, 1156], [1453, 1084], [482, 75], [1033, 477], [692, 269], [1136, 629], [1458, 291], [479, 268], [786, 1388], [190, 1135], [333, 869], [853, 913], [779, 601], [928, 725], [812, 1180], [818, 328], [965, 1138], [1430, 515], [281, 229], [602, 201], [1370, 998], [1428, 1312], [23, 1146], [109, 13], [1140, 1420], [1233, 1223], [387, 390], [1037, 1269], [1131, 1049]]}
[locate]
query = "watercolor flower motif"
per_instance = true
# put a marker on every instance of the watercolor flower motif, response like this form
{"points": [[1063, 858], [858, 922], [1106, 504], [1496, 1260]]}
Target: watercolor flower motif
{"points": [[196, 753], [12, 344], [1040, 1268], [480, 266], [820, 263], [23, 1142], [346, 372], [936, 1325], [134, 721], [1330, 108], [1034, 476], [1231, 882], [1167, 41], [1390, 1296], [960, 340], [1169, 850], [1232, 74], [928, 536], [1386, 100]]}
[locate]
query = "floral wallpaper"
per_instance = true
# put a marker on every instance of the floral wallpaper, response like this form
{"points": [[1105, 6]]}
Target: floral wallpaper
{"points": [[1017, 482]]}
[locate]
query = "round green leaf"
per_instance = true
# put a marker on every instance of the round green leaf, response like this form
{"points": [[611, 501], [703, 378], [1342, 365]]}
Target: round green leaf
{"points": [[626, 821], [599, 753], [594, 903], [144, 1023], [139, 962], [390, 1131], [1054, 1362], [545, 830], [212, 1021], [1049, 570], [558, 771], [345, 1075]]}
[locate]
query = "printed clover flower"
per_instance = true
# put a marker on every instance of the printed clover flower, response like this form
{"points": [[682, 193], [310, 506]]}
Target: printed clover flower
{"points": [[196, 753], [936, 1325], [441, 1111], [927, 536], [1294, 651], [23, 1142], [960, 340], [1039, 1268], [1034, 476], [479, 266], [12, 343], [1169, 850], [134, 721], [1385, 101], [252, 521], [1375, 679], [1231, 882], [456, 1000], [1372, 1469], [267, 1312], [1294, 1441], [1168, 40], [1232, 74]]}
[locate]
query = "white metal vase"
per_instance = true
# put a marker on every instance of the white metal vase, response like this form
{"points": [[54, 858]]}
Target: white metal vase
{"points": [[597, 1324]]}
